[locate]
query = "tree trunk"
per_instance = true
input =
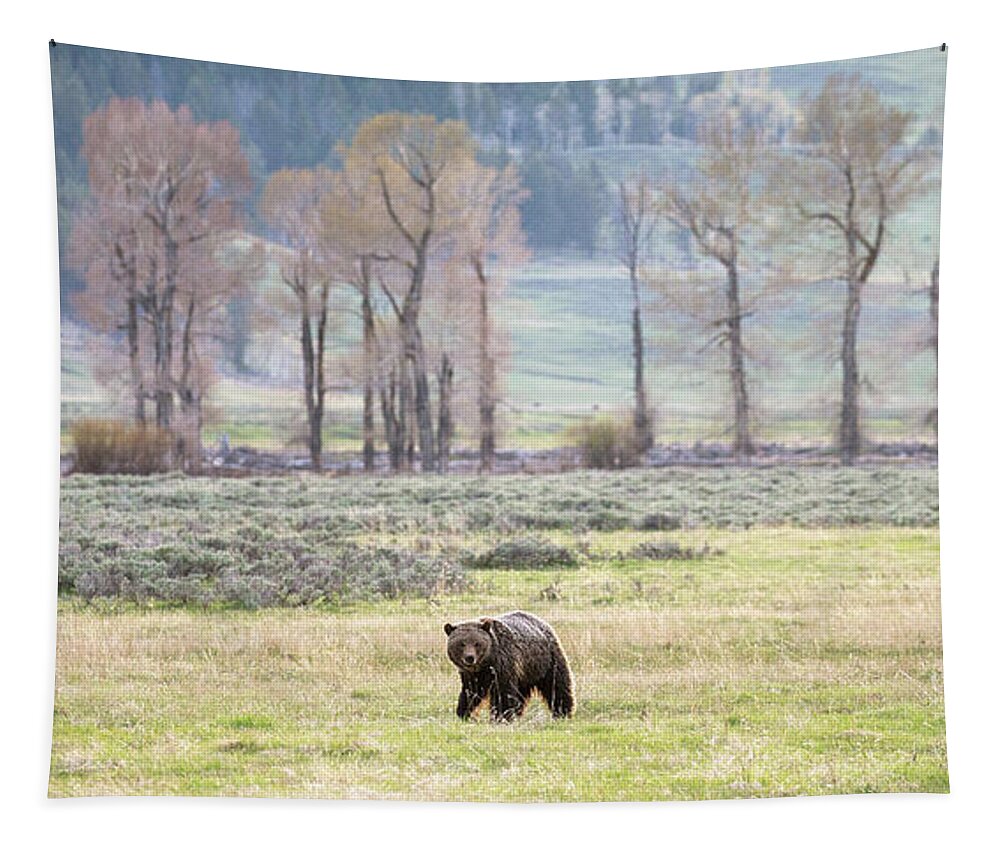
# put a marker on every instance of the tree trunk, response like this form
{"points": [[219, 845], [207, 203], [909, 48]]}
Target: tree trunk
{"points": [[487, 377], [164, 393], [368, 427], [188, 430], [394, 428], [368, 343], [850, 414], [163, 329], [933, 297], [446, 426], [406, 417], [933, 294], [421, 395], [409, 427], [316, 438], [309, 382], [641, 421], [742, 442], [319, 411], [135, 370]]}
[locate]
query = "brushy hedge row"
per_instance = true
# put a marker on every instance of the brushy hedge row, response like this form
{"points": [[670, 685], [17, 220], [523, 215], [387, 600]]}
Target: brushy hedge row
{"points": [[253, 576], [659, 500], [296, 540]]}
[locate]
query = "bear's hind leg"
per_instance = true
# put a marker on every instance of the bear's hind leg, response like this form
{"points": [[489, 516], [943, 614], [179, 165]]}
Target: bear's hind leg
{"points": [[557, 687]]}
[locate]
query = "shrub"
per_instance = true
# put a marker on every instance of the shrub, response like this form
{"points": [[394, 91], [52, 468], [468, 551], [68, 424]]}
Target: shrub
{"points": [[181, 575], [111, 446], [355, 572], [524, 554], [660, 522], [607, 444]]}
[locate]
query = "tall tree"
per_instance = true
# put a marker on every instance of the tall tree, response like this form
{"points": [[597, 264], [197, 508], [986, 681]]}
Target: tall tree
{"points": [[857, 171], [932, 343], [352, 231], [176, 187], [292, 204], [496, 245], [416, 166], [638, 215], [717, 211]]}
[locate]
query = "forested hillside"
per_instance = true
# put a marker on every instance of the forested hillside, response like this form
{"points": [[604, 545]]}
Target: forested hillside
{"points": [[569, 138]]}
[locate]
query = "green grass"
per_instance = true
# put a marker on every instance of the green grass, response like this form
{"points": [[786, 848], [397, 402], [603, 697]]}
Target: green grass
{"points": [[786, 661], [797, 663]]}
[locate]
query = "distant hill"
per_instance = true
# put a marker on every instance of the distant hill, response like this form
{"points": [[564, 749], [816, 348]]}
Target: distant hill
{"points": [[555, 131]]}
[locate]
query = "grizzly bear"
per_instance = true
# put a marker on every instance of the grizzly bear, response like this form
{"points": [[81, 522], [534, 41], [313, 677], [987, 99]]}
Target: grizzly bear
{"points": [[504, 659]]}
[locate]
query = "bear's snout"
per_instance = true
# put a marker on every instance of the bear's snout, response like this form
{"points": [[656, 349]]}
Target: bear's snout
{"points": [[469, 659]]}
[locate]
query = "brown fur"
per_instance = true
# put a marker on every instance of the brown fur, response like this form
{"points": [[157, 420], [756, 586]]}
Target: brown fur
{"points": [[504, 660]]}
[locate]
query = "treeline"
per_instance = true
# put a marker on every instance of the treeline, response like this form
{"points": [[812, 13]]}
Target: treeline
{"points": [[413, 226], [417, 235], [764, 214]]}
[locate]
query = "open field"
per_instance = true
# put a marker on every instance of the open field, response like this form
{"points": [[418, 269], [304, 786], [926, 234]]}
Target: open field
{"points": [[779, 660], [798, 663]]}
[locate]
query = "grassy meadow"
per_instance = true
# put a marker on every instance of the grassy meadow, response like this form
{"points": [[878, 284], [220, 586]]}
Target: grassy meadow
{"points": [[789, 644]]}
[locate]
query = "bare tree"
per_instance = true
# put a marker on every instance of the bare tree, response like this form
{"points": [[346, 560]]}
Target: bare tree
{"points": [[351, 221], [932, 298], [369, 342], [292, 204], [497, 245], [414, 165], [638, 217], [717, 211], [855, 172], [168, 192], [445, 375]]}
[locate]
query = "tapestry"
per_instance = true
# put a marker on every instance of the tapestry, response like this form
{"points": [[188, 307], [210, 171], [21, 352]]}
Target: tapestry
{"points": [[528, 442]]}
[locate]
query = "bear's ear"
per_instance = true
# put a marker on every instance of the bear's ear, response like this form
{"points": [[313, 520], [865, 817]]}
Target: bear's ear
{"points": [[486, 623], [448, 629]]}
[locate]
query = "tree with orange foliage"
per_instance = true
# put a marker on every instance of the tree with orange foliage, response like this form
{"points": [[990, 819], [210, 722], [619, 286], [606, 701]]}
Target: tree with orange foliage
{"points": [[165, 202], [415, 169]]}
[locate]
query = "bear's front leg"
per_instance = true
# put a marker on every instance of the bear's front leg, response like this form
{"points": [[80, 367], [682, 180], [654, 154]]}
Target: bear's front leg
{"points": [[468, 700]]}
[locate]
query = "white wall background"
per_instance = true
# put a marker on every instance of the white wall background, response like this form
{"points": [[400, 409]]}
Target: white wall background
{"points": [[509, 40]]}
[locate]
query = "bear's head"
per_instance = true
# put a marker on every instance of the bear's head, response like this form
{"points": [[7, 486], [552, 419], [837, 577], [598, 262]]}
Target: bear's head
{"points": [[470, 644]]}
